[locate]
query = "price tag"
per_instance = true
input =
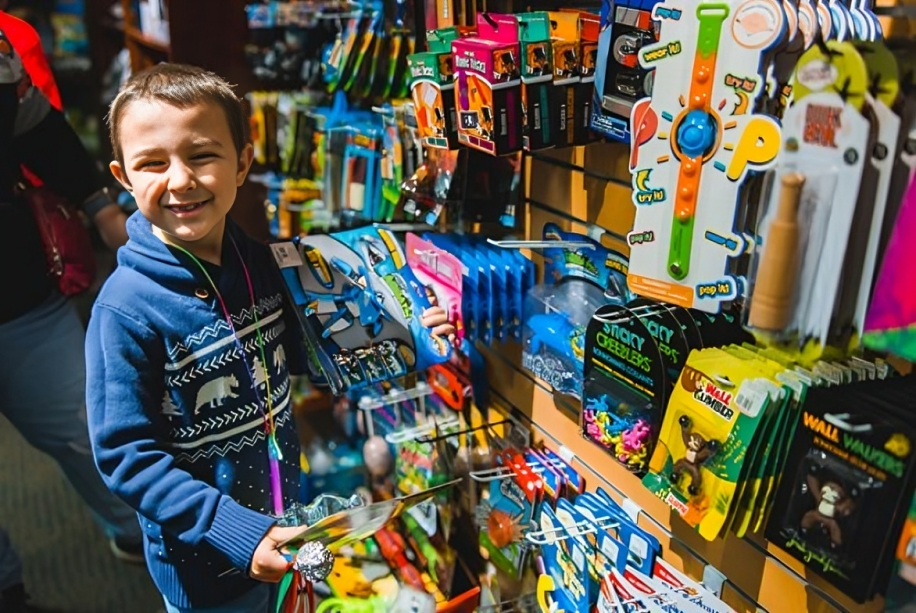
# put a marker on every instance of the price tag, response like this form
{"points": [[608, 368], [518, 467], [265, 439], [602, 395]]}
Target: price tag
{"points": [[286, 254]]}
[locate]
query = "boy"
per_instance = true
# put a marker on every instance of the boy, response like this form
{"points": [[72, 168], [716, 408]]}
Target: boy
{"points": [[188, 386]]}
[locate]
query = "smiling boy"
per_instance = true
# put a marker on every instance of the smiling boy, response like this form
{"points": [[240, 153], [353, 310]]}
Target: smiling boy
{"points": [[188, 383]]}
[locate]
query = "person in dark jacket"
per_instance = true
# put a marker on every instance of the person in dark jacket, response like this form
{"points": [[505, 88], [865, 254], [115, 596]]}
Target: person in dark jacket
{"points": [[42, 372]]}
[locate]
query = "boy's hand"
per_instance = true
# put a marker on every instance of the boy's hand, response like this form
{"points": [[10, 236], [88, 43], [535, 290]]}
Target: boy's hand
{"points": [[437, 319], [268, 563]]}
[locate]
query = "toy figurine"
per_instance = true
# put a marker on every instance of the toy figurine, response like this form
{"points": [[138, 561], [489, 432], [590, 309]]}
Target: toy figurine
{"points": [[632, 450], [610, 423], [699, 450], [833, 502], [348, 365], [502, 528], [635, 437]]}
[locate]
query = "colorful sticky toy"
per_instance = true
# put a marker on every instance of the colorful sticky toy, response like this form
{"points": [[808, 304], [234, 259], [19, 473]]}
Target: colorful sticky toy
{"points": [[694, 142]]}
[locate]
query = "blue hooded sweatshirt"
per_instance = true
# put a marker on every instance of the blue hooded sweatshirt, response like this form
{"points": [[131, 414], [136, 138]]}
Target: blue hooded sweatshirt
{"points": [[175, 422]]}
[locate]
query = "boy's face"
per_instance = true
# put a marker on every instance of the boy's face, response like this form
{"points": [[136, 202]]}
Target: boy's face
{"points": [[182, 168]]}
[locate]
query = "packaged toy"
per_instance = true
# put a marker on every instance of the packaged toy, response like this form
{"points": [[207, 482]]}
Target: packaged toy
{"points": [[537, 80], [848, 482], [806, 244], [556, 313], [589, 24], [432, 88], [362, 305], [694, 141], [710, 425], [626, 386], [488, 86], [564, 38], [513, 505], [440, 273], [620, 80]]}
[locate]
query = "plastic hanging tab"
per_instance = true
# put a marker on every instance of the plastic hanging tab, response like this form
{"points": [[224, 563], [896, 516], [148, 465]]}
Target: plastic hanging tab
{"points": [[368, 403], [523, 244]]}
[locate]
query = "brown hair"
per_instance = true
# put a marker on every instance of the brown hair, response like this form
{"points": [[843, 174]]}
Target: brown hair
{"points": [[182, 86]]}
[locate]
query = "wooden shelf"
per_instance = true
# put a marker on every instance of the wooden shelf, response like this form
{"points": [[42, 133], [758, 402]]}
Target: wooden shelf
{"points": [[148, 42]]}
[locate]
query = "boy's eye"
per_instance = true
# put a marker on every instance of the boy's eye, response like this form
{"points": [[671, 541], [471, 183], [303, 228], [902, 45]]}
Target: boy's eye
{"points": [[203, 156], [150, 164]]}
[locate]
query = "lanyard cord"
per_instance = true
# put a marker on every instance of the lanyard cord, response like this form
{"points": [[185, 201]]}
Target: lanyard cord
{"points": [[266, 408]]}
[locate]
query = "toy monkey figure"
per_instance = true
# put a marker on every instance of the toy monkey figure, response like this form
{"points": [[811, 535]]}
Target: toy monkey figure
{"points": [[833, 502], [698, 451]]}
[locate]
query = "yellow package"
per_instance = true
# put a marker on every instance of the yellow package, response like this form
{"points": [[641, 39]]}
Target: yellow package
{"points": [[712, 417]]}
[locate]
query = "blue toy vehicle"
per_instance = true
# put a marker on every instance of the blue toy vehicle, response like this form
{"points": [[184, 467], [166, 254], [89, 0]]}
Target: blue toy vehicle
{"points": [[558, 335], [554, 351]]}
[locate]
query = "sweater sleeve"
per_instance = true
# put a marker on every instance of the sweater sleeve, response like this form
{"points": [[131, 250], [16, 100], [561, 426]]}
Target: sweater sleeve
{"points": [[125, 361]]}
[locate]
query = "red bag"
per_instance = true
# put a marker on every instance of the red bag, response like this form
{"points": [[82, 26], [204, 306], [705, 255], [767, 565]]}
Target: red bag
{"points": [[68, 248]]}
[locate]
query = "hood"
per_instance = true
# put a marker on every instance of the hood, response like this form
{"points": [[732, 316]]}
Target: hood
{"points": [[152, 258]]}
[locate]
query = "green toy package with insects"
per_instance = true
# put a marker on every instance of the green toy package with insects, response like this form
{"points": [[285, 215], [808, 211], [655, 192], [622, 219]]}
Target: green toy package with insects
{"points": [[709, 427]]}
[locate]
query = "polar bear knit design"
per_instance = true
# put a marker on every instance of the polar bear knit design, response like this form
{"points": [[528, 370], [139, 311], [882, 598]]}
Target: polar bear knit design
{"points": [[214, 393]]}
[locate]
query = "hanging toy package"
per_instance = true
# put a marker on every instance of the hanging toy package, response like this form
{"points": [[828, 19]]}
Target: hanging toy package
{"points": [[848, 481], [709, 430], [361, 305]]}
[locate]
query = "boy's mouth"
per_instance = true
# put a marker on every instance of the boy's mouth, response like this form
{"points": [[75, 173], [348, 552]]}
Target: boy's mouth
{"points": [[187, 208]]}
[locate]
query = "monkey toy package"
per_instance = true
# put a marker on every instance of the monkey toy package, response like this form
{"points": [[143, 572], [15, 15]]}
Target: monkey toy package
{"points": [[846, 488], [710, 429]]}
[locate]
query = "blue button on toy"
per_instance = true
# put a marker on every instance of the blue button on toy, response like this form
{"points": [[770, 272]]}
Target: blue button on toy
{"points": [[697, 134]]}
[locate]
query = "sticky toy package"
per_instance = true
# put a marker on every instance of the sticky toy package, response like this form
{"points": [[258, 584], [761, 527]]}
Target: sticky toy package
{"points": [[488, 86], [848, 482], [361, 304]]}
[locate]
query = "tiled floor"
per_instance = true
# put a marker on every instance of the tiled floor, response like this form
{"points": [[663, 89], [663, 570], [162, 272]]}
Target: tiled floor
{"points": [[68, 567]]}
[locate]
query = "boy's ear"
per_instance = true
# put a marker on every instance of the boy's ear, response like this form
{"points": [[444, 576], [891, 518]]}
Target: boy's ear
{"points": [[246, 157], [119, 174]]}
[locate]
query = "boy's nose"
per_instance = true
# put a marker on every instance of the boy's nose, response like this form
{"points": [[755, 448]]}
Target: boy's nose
{"points": [[181, 179]]}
